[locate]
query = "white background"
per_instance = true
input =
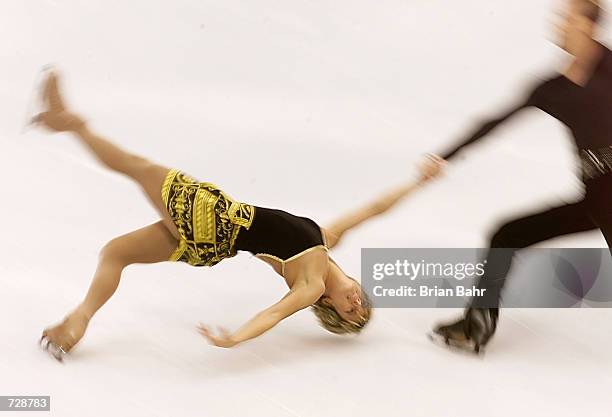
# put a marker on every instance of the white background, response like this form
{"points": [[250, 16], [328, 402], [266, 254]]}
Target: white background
{"points": [[309, 106]]}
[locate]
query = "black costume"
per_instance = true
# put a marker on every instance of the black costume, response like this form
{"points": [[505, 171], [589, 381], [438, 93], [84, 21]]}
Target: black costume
{"points": [[587, 112]]}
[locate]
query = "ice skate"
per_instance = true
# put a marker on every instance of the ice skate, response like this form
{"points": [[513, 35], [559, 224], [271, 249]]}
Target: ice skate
{"points": [[53, 113], [471, 333], [35, 102], [61, 338]]}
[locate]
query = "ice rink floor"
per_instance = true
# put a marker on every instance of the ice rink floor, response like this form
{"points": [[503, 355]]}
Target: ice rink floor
{"points": [[314, 107]]}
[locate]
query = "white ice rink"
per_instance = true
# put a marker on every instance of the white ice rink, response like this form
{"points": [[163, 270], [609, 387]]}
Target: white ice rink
{"points": [[309, 106]]}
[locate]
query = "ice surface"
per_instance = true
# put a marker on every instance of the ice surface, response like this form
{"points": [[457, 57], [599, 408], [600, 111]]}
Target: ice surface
{"points": [[309, 106]]}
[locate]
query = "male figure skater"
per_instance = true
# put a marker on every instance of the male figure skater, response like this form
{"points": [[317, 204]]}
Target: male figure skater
{"points": [[581, 98]]}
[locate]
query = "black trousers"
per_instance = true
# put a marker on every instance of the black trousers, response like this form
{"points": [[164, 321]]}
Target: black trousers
{"points": [[594, 211]]}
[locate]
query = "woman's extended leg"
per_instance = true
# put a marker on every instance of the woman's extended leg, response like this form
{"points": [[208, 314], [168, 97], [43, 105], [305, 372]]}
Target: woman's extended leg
{"points": [[148, 175], [151, 244]]}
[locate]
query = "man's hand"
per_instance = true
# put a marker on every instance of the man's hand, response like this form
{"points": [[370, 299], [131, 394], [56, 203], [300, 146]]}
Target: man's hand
{"points": [[224, 339], [431, 167]]}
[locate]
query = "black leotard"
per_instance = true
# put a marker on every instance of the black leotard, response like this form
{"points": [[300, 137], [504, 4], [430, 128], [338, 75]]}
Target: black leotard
{"points": [[278, 233], [586, 111]]}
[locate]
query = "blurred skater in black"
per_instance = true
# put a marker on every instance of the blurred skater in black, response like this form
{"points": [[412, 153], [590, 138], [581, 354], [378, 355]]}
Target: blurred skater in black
{"points": [[581, 98]]}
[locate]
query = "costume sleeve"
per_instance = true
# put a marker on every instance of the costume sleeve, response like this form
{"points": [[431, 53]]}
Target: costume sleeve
{"points": [[532, 99]]}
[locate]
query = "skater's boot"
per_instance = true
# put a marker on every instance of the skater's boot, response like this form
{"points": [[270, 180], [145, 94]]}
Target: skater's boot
{"points": [[55, 115], [472, 332], [481, 325], [61, 338]]}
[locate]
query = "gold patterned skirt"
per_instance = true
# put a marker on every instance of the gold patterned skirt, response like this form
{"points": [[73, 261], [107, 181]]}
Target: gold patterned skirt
{"points": [[207, 219]]}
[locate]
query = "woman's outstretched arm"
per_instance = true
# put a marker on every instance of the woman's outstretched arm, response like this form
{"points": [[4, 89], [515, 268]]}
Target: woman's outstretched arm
{"points": [[335, 231], [295, 300]]}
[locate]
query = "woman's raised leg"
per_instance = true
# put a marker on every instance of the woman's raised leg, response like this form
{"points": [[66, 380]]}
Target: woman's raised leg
{"points": [[148, 175]]}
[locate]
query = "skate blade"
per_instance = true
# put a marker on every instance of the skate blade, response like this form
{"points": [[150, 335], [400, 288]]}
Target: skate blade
{"points": [[34, 104], [459, 346], [52, 349]]}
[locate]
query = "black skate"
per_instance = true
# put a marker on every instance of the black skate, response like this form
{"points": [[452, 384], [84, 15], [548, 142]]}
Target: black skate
{"points": [[471, 333]]}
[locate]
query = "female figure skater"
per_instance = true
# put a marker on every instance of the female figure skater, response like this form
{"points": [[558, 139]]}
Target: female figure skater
{"points": [[201, 225], [581, 98]]}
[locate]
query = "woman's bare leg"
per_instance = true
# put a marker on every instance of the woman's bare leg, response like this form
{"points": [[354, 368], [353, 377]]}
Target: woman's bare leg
{"points": [[151, 244], [148, 175]]}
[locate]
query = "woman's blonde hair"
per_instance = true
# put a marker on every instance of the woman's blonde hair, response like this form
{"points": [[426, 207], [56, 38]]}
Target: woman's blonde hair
{"points": [[332, 321]]}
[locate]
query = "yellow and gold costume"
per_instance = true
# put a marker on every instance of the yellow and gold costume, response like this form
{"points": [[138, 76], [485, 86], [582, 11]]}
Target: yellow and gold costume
{"points": [[207, 219]]}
